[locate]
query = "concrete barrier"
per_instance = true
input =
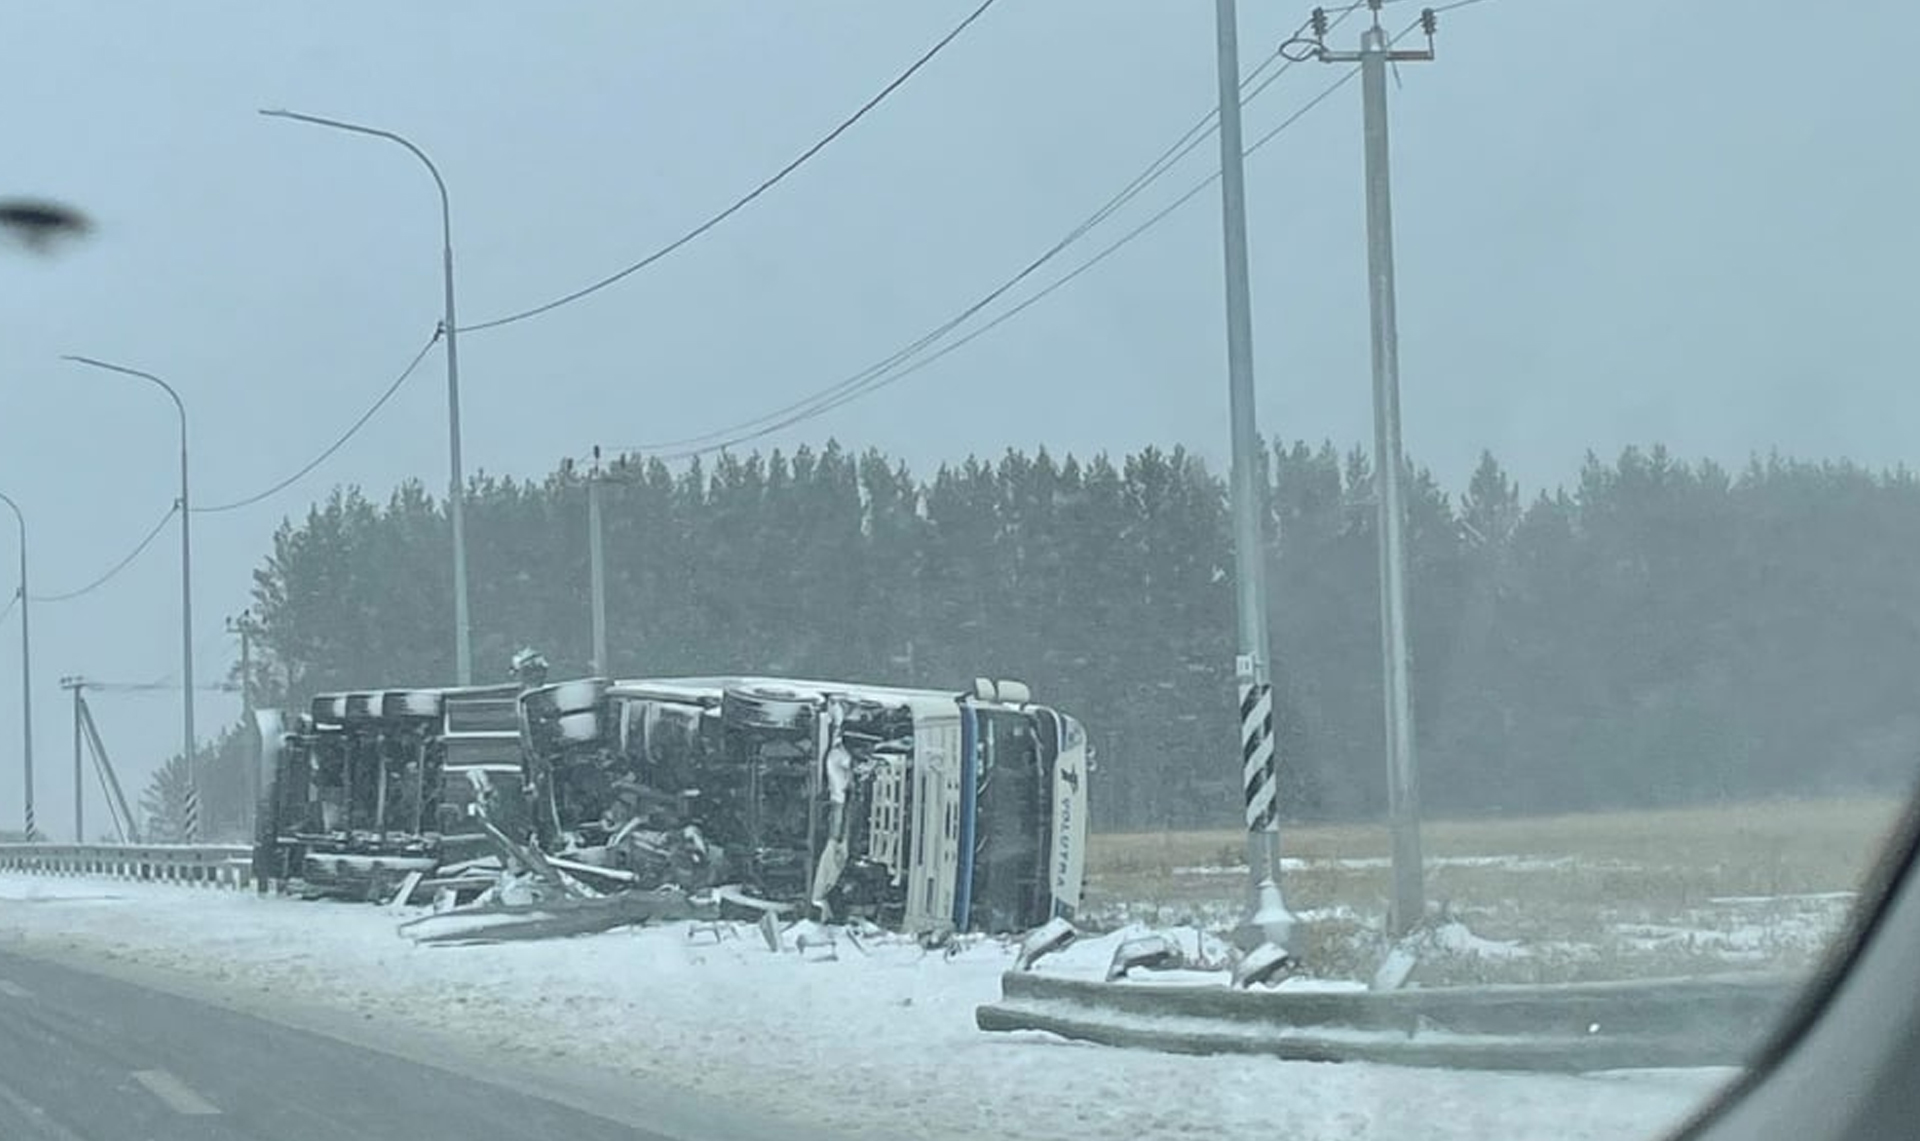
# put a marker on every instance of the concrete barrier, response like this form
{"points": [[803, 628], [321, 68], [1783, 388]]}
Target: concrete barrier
{"points": [[1578, 1027], [212, 865]]}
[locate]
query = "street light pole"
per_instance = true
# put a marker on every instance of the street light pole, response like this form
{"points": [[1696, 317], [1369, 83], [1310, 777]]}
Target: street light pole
{"points": [[1267, 919], [26, 668], [456, 492], [186, 594]]}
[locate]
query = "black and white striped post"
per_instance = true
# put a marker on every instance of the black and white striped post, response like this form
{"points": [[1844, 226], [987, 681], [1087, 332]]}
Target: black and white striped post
{"points": [[1258, 774], [1267, 919]]}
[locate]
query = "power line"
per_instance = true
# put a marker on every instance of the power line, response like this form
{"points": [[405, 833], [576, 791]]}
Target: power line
{"points": [[738, 204], [337, 444], [117, 567], [8, 608], [326, 454], [871, 376], [157, 687], [908, 370], [883, 373], [923, 362], [171, 679]]}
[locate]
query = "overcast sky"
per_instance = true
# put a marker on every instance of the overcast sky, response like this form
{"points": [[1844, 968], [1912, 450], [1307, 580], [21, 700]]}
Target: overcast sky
{"points": [[1639, 221]]}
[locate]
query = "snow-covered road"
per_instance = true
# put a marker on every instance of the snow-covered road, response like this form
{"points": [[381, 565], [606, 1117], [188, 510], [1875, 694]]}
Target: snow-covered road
{"points": [[875, 1043]]}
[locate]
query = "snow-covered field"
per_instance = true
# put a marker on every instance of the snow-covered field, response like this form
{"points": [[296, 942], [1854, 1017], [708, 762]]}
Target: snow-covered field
{"points": [[873, 1041]]}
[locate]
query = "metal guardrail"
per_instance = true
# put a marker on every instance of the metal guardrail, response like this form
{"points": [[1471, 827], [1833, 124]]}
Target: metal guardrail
{"points": [[215, 865], [1577, 1027]]}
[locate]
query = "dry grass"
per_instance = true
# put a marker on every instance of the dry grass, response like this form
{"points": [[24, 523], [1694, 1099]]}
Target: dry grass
{"points": [[1584, 896], [1836, 837]]}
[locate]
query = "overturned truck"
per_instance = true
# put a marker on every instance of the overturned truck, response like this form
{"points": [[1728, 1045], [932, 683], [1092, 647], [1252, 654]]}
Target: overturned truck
{"points": [[925, 811], [920, 810]]}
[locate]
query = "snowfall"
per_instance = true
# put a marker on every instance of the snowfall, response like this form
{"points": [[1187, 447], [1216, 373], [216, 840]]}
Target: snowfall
{"points": [[866, 1039]]}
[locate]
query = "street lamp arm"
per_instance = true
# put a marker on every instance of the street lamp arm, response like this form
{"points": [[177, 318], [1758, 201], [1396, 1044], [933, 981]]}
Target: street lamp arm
{"points": [[446, 218], [19, 518], [147, 376]]}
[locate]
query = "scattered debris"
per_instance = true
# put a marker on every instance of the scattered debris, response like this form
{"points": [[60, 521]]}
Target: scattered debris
{"points": [[1148, 952], [407, 887], [811, 936], [1267, 963], [1396, 967], [497, 922], [1045, 939], [718, 929]]}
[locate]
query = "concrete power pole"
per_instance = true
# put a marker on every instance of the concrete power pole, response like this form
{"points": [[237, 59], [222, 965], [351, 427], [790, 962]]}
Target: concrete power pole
{"points": [[76, 684], [597, 569], [1267, 919], [84, 730], [1403, 784], [247, 627]]}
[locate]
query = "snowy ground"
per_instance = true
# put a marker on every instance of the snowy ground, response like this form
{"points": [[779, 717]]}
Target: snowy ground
{"points": [[874, 1043]]}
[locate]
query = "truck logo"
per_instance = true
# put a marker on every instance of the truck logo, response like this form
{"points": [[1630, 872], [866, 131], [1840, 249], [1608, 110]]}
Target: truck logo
{"points": [[1063, 866]]}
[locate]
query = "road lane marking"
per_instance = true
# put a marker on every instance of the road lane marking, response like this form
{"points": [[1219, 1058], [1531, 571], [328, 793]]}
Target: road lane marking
{"points": [[13, 989], [46, 1126], [175, 1093]]}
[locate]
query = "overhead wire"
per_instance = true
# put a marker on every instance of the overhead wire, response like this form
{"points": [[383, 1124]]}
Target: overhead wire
{"points": [[171, 678], [895, 367], [875, 376], [1059, 283], [829, 397], [146, 541], [330, 449], [115, 570], [740, 203], [155, 687]]}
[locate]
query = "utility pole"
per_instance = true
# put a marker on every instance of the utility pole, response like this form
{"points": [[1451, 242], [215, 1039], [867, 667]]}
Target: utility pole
{"points": [[1403, 784], [247, 627], [597, 568], [76, 684], [1267, 919], [84, 729]]}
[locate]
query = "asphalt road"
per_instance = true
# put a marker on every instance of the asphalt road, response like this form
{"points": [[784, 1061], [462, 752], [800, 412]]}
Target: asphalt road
{"points": [[84, 1057]]}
